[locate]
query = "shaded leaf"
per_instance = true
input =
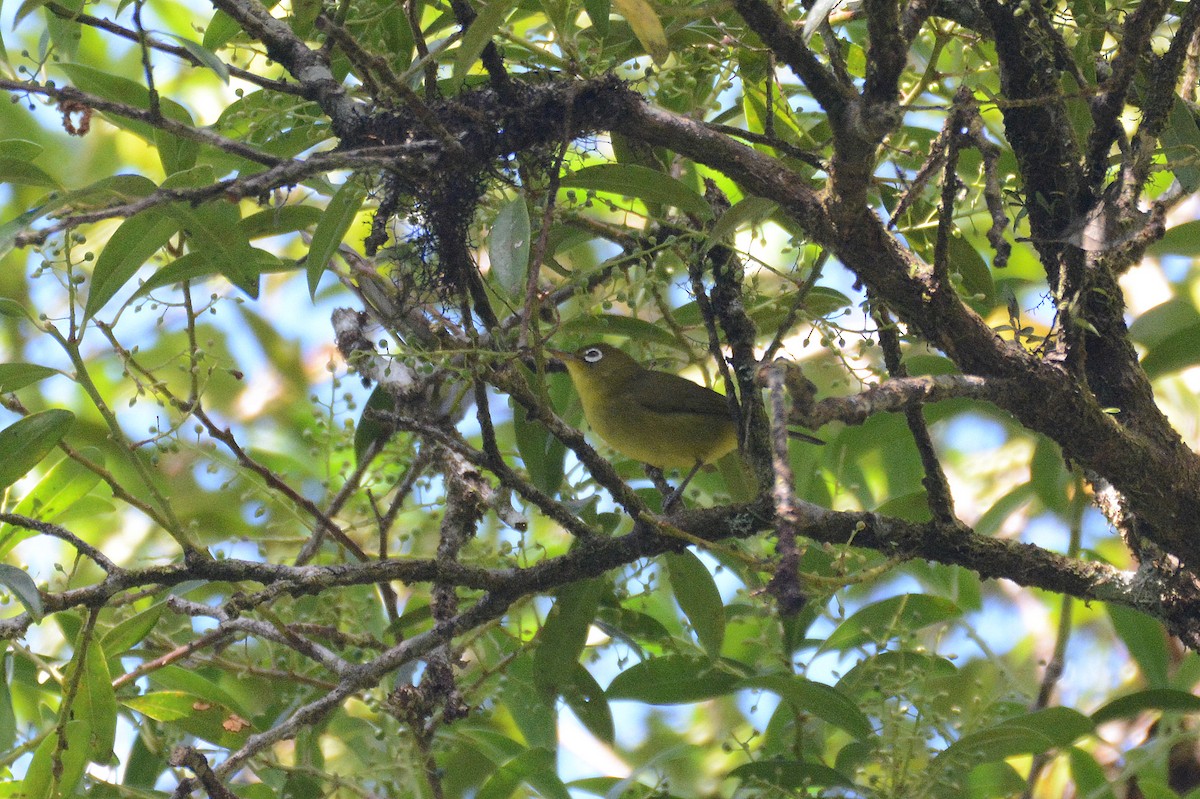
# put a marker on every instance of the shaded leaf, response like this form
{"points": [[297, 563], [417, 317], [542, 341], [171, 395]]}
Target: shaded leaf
{"points": [[1034, 733], [1182, 239], [1131, 705], [586, 699], [371, 432], [23, 588], [672, 680], [277, 221], [594, 327], [198, 265], [535, 767], [25, 442], [204, 55], [1179, 350], [887, 618], [138, 238], [562, 637], [509, 246], [598, 12], [1181, 144], [698, 597], [1146, 641], [14, 376], [544, 455], [791, 775], [132, 631], [748, 210], [334, 225], [95, 702], [41, 781], [648, 185], [823, 701], [26, 173], [478, 35]]}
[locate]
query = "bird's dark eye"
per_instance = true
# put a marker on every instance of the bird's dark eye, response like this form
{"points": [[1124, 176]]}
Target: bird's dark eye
{"points": [[593, 354]]}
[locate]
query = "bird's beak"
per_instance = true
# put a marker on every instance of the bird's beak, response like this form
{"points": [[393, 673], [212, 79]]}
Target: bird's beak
{"points": [[560, 360]]}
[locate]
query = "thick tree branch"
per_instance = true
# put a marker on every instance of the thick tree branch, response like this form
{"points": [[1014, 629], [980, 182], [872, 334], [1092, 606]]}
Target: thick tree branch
{"points": [[305, 64], [1109, 102]]}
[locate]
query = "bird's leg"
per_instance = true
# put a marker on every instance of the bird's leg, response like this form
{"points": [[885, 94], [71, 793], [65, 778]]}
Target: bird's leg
{"points": [[659, 479], [677, 494]]}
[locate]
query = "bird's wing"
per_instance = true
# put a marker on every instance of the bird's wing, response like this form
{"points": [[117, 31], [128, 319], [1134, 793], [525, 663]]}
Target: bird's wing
{"points": [[662, 392]]}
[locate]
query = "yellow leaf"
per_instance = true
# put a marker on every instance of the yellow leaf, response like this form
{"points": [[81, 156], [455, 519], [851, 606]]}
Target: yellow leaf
{"points": [[646, 27]]}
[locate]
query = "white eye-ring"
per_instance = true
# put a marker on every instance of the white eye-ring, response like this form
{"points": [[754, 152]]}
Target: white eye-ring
{"points": [[593, 354]]}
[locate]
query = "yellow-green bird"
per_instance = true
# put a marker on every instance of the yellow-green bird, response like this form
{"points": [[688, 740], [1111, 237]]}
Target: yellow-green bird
{"points": [[655, 417]]}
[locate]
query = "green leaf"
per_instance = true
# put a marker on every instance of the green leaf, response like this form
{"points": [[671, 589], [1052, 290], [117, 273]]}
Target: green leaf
{"points": [[281, 220], [20, 148], [24, 443], [1182, 239], [138, 238], [865, 678], [371, 430], [25, 9], [586, 699], [598, 12], [132, 631], [40, 780], [966, 260], [1032, 734], [911, 507], [163, 705], [221, 29], [176, 154], [563, 636], [334, 225], [24, 589], [478, 35], [1146, 641], [62, 486], [989, 780], [643, 183], [198, 265], [673, 680], [214, 233], [991, 520], [698, 597], [1181, 146], [1131, 705], [1177, 351], [179, 679], [204, 55], [26, 173], [509, 246], [14, 376], [535, 767], [96, 702], [1049, 476], [888, 618], [823, 701], [8, 716], [749, 210], [543, 454], [594, 327], [791, 775], [12, 309], [20, 223], [194, 714]]}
